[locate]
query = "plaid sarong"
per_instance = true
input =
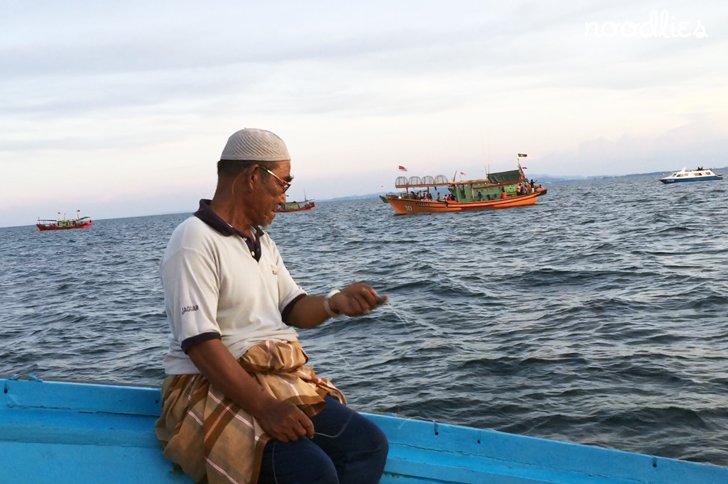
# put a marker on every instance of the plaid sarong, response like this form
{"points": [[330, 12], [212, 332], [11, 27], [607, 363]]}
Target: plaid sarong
{"points": [[215, 441]]}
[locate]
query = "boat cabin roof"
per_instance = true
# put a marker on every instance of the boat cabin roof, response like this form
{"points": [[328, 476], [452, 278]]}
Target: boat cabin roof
{"points": [[503, 177]]}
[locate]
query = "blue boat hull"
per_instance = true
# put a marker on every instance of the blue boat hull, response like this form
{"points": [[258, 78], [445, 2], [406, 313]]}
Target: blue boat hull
{"points": [[55, 432]]}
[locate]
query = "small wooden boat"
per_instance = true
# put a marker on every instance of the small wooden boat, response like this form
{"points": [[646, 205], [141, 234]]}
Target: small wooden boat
{"points": [[59, 432], [65, 224], [506, 189], [296, 206], [698, 174]]}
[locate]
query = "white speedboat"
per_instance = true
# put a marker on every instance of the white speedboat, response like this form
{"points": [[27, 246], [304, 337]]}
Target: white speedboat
{"points": [[699, 174]]}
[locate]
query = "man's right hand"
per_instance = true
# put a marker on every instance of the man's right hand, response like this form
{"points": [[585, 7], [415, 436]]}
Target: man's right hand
{"points": [[285, 422], [282, 421]]}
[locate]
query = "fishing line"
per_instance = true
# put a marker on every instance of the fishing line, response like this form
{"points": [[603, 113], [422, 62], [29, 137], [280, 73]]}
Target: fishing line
{"points": [[341, 431], [411, 323], [407, 322], [342, 357], [397, 313]]}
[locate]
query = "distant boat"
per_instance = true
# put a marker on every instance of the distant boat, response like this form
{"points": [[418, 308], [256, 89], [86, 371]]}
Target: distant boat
{"points": [[80, 432], [65, 224], [698, 174], [296, 206], [506, 189]]}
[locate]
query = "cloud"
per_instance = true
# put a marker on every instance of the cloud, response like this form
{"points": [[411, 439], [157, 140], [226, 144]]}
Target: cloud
{"points": [[697, 143], [144, 89]]}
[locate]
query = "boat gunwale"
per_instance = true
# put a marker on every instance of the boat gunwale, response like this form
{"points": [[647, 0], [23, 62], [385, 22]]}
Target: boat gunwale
{"points": [[427, 451]]}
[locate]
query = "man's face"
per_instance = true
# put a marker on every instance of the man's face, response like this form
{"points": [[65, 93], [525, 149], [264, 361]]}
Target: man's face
{"points": [[271, 191]]}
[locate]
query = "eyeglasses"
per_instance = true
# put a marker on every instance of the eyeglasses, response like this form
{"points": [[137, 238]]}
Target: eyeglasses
{"points": [[285, 185]]}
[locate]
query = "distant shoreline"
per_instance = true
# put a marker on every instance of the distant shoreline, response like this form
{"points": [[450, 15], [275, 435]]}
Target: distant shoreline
{"points": [[546, 179]]}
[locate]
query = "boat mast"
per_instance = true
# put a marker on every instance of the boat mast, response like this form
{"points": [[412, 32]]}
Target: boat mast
{"points": [[520, 168]]}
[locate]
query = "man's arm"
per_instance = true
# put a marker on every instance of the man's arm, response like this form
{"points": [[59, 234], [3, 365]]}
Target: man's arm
{"points": [[353, 300], [282, 421]]}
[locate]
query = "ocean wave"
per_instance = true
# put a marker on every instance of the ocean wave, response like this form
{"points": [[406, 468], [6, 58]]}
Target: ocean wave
{"points": [[596, 316]]}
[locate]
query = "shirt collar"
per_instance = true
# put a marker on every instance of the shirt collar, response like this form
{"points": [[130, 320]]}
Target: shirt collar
{"points": [[208, 215]]}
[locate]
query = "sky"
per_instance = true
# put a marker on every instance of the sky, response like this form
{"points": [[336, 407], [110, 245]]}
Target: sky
{"points": [[122, 108]]}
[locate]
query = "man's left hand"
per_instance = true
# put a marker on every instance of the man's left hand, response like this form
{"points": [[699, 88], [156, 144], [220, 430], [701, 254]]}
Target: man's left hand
{"points": [[356, 299]]}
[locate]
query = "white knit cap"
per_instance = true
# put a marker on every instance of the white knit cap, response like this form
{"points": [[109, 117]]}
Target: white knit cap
{"points": [[250, 144]]}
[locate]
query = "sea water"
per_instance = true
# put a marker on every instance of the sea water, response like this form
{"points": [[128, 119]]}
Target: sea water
{"points": [[597, 316]]}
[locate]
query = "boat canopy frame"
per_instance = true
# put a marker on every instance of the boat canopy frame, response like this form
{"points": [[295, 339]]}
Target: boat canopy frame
{"points": [[509, 177]]}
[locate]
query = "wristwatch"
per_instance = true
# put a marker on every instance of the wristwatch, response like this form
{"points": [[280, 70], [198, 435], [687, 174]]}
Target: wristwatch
{"points": [[327, 306]]}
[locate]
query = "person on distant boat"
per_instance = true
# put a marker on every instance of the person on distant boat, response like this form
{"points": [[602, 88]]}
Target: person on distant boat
{"points": [[504, 195], [239, 402]]}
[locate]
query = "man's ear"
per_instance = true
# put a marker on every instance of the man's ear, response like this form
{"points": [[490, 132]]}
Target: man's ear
{"points": [[246, 179], [253, 176]]}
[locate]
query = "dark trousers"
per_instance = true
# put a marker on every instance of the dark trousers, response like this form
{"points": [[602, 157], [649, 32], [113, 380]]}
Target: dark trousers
{"points": [[347, 448]]}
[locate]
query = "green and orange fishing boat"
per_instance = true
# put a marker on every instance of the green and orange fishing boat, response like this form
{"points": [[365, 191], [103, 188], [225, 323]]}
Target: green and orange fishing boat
{"points": [[505, 189]]}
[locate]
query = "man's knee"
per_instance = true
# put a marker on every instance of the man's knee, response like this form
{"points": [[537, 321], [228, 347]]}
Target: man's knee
{"points": [[378, 446], [296, 462], [321, 471], [366, 459]]}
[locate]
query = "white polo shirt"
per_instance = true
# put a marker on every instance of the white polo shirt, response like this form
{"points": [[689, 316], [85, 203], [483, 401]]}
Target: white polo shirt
{"points": [[214, 287]]}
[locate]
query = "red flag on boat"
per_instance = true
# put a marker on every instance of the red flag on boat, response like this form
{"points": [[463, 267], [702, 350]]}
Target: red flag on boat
{"points": [[402, 168]]}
